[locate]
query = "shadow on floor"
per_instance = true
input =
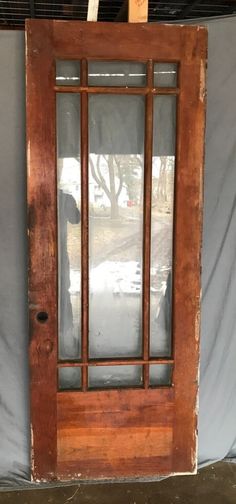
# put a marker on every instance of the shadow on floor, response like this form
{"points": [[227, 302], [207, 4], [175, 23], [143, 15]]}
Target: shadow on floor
{"points": [[215, 484]]}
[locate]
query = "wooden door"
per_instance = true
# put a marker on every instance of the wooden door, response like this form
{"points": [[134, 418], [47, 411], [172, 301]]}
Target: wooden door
{"points": [[115, 135]]}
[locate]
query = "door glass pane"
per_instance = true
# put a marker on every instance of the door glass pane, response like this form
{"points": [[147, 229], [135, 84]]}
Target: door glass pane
{"points": [[160, 374], [67, 73], [69, 378], [165, 74], [116, 73], [115, 376], [116, 126], [162, 224], [69, 232]]}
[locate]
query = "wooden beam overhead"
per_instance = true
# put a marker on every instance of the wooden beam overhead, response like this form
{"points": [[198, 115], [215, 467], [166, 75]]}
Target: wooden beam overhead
{"points": [[32, 9], [92, 14], [138, 11], [123, 12], [188, 8]]}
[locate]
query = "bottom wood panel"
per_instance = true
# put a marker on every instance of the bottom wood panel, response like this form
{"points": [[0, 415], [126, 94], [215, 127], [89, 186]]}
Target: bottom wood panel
{"points": [[115, 434]]}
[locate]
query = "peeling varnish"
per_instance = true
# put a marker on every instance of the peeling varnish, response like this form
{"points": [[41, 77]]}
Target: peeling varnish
{"points": [[28, 157], [202, 87], [32, 453], [197, 325], [33, 306], [194, 453]]}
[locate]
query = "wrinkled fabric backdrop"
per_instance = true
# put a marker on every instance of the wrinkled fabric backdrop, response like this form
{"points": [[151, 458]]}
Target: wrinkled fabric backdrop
{"points": [[217, 412]]}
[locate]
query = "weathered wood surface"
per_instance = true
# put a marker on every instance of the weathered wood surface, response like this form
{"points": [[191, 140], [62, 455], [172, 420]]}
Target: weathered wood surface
{"points": [[42, 232], [107, 434]]}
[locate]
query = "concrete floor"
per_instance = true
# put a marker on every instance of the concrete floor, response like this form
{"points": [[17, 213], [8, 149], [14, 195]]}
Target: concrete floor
{"points": [[215, 484]]}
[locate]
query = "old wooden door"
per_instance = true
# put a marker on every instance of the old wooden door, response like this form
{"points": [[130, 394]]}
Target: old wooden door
{"points": [[115, 133]]}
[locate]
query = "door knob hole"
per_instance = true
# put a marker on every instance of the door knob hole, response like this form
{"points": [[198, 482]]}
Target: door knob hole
{"points": [[42, 317]]}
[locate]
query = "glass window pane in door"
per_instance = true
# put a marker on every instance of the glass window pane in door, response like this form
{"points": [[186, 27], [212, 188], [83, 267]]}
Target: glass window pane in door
{"points": [[162, 225], [160, 375], [116, 128], [115, 376], [116, 73], [69, 230], [67, 73], [165, 74], [69, 378]]}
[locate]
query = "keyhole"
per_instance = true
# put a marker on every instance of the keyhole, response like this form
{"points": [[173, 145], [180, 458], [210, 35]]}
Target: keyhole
{"points": [[42, 317]]}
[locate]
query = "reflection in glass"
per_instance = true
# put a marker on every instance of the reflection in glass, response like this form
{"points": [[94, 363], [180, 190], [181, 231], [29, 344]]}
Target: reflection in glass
{"points": [[165, 74], [115, 376], [67, 73], [69, 378], [162, 225], [116, 73], [160, 374], [69, 234], [116, 216]]}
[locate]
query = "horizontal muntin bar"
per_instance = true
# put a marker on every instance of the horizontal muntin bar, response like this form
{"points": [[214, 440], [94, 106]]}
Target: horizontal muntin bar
{"points": [[115, 362], [101, 90], [116, 90]]}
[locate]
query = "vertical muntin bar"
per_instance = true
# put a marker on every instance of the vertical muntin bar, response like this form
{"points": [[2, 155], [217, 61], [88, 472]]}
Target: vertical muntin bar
{"points": [[84, 224], [147, 220]]}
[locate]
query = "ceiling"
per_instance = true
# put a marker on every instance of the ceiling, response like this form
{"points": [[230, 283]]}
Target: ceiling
{"points": [[13, 14]]}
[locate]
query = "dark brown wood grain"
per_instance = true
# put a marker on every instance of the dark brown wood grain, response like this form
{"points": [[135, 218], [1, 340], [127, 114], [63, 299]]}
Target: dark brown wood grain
{"points": [[42, 231], [187, 256], [121, 41], [114, 433]]}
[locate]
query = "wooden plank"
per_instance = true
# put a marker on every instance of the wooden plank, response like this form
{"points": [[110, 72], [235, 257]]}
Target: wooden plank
{"points": [[124, 41], [102, 434], [107, 443], [92, 14], [187, 257], [137, 468], [42, 228], [94, 409], [138, 11]]}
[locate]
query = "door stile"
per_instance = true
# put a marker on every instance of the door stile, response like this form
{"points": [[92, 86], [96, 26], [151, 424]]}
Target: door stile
{"points": [[187, 254], [42, 231]]}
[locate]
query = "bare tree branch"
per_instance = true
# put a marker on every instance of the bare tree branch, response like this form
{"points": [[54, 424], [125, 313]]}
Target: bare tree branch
{"points": [[93, 171], [103, 182], [118, 164]]}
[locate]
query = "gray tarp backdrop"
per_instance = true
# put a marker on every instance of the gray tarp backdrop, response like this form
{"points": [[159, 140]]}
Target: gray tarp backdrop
{"points": [[217, 414]]}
